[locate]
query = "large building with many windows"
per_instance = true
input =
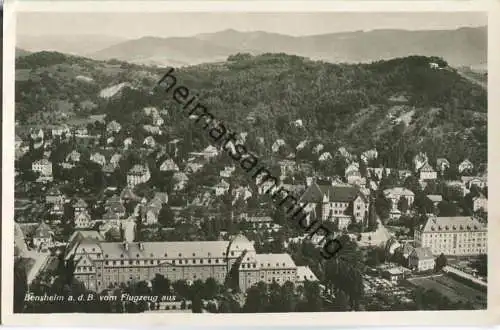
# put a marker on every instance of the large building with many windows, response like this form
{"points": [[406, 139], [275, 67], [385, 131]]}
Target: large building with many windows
{"points": [[453, 236], [106, 264]]}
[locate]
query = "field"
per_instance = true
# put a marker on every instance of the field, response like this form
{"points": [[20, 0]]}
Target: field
{"points": [[452, 289]]}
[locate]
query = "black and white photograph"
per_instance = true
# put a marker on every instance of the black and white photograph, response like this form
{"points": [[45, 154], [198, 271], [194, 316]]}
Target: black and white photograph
{"points": [[219, 162]]}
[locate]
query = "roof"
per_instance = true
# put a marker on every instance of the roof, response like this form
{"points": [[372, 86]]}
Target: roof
{"points": [[422, 253], [452, 224], [427, 168], [305, 273], [80, 203], [260, 219], [137, 169], [274, 260], [43, 231], [441, 161], [128, 193], [338, 193], [400, 191], [435, 198]]}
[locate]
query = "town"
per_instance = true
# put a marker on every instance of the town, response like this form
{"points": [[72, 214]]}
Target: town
{"points": [[138, 213]]}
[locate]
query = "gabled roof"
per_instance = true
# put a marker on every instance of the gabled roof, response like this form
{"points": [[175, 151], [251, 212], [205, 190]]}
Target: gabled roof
{"points": [[426, 168], [422, 253], [43, 231]]}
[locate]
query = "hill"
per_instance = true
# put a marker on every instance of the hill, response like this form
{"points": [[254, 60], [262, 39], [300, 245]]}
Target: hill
{"points": [[399, 106], [71, 44], [463, 46]]}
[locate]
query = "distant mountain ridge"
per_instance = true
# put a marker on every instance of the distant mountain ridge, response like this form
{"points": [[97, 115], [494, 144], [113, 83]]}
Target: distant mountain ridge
{"points": [[460, 47]]}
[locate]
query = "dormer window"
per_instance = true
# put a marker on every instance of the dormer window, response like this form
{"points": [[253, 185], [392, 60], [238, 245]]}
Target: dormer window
{"points": [[268, 265], [106, 256], [165, 255], [137, 255], [180, 254], [194, 254], [121, 255], [283, 264], [151, 255]]}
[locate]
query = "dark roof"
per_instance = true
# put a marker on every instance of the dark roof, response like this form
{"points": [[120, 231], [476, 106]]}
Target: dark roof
{"points": [[339, 193]]}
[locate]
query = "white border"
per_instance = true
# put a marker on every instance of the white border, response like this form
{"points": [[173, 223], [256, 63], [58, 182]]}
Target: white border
{"points": [[464, 318]]}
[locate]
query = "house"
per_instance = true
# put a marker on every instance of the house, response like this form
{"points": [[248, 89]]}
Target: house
{"points": [[80, 206], [115, 160], [287, 167], [378, 172], [114, 204], [221, 188], [459, 185], [427, 172], [395, 194], [277, 145], [403, 174], [420, 160], [241, 192], [469, 181], [110, 140], [169, 166], [18, 142], [44, 167], [54, 196], [181, 180], [227, 172], [354, 177], [421, 259], [127, 142], [113, 127], [98, 158], [465, 166], [193, 167], [304, 274], [152, 129], [325, 156], [149, 142], [442, 164], [81, 132], [395, 274], [83, 220], [138, 174], [151, 211], [108, 169], [336, 203], [43, 236], [435, 199], [73, 157], [480, 202], [60, 130], [158, 121], [36, 134], [259, 222], [128, 195], [210, 152], [150, 111], [369, 155]]}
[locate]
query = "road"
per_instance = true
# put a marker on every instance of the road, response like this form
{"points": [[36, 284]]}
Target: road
{"points": [[472, 80]]}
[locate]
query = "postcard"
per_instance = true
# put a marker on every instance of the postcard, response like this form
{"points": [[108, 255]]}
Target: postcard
{"points": [[250, 163]]}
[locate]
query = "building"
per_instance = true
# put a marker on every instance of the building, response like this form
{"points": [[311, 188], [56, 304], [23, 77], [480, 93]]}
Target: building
{"points": [[421, 259], [453, 236], [339, 203], [105, 264], [304, 274], [268, 268], [80, 206], [426, 172], [395, 194], [469, 181], [73, 157], [465, 166], [82, 220], [378, 172], [42, 166], [395, 274], [442, 164], [98, 158], [287, 167], [149, 142], [221, 188], [138, 174], [43, 236], [169, 166], [113, 127], [54, 196]]}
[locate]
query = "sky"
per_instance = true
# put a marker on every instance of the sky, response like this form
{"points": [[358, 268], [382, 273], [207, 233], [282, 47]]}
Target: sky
{"points": [[136, 25]]}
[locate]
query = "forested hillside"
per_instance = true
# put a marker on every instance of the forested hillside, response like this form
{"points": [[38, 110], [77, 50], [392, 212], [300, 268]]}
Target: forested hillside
{"points": [[399, 106]]}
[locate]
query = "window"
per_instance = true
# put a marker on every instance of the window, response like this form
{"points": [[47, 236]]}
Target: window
{"points": [[194, 261], [201, 261]]}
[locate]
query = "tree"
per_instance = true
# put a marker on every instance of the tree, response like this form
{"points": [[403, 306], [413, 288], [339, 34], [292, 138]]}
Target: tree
{"points": [[403, 204], [441, 262], [383, 206], [197, 304], [20, 285], [166, 216], [448, 209]]}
